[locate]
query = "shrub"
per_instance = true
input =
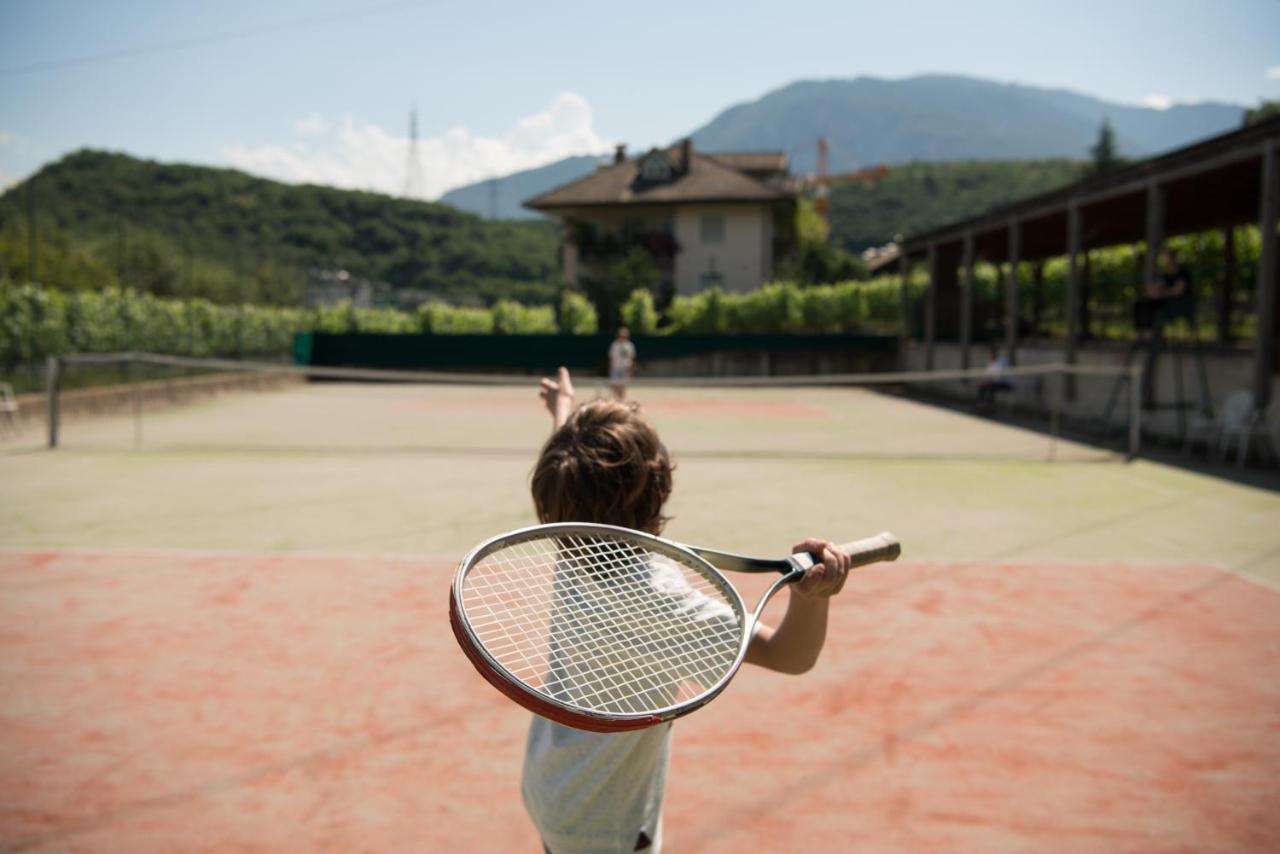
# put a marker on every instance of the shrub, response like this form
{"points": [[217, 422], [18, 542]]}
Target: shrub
{"points": [[639, 313], [577, 315]]}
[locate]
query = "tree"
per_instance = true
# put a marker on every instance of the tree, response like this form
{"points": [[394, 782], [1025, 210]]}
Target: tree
{"points": [[1265, 110], [1103, 151], [609, 291], [815, 261]]}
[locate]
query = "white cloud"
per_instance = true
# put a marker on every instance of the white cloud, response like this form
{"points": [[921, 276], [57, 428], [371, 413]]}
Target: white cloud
{"points": [[1273, 73], [312, 124], [1157, 102], [355, 154], [5, 137]]}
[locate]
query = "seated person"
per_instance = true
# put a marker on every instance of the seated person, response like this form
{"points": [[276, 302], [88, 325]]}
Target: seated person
{"points": [[1164, 298], [997, 380]]}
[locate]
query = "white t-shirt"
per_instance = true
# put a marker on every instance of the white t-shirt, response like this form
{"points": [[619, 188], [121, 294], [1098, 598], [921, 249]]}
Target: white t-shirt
{"points": [[998, 371], [589, 792], [595, 792], [622, 354]]}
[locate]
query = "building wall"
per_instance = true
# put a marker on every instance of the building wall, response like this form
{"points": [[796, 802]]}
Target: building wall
{"points": [[574, 264], [743, 259]]}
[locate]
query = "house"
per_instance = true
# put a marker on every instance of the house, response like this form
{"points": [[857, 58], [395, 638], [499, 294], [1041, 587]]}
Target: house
{"points": [[706, 220]]}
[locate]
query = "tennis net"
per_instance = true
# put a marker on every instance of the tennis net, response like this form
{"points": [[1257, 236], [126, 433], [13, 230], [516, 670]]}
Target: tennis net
{"points": [[1050, 411]]}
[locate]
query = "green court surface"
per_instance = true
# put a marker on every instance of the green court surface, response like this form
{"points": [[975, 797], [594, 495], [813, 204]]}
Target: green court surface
{"points": [[429, 471], [232, 635]]}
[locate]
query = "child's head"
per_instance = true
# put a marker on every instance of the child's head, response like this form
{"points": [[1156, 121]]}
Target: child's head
{"points": [[605, 465]]}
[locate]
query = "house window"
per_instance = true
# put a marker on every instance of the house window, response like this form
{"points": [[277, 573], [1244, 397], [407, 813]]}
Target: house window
{"points": [[655, 168], [712, 229], [713, 278]]}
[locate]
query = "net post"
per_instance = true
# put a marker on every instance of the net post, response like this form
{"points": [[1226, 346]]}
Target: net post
{"points": [[1055, 410], [135, 393], [52, 369], [1135, 412]]}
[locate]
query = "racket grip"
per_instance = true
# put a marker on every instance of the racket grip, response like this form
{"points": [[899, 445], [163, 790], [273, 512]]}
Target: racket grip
{"points": [[883, 546]]}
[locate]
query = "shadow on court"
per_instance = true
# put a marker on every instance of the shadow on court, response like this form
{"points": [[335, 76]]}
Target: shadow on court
{"points": [[162, 701]]}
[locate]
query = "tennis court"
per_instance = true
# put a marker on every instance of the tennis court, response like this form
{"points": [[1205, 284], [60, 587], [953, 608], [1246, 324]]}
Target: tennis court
{"points": [[233, 635]]}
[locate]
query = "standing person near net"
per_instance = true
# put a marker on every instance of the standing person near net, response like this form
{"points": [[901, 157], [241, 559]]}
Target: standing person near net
{"points": [[602, 792], [622, 362]]}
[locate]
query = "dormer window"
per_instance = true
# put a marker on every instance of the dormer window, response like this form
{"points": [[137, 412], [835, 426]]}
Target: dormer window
{"points": [[655, 168]]}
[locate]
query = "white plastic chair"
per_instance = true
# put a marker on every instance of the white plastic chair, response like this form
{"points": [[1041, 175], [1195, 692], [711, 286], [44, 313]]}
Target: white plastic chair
{"points": [[8, 407], [1233, 423]]}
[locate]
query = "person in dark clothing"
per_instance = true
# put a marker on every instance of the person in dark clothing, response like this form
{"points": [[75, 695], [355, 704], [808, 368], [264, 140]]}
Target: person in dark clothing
{"points": [[1163, 298]]}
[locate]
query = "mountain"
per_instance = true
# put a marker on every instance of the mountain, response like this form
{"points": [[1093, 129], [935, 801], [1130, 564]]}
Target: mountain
{"points": [[930, 118], [501, 198], [105, 218], [918, 196], [869, 120]]}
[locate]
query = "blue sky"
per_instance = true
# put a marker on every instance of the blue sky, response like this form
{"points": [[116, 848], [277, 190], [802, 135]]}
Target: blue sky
{"points": [[320, 90]]}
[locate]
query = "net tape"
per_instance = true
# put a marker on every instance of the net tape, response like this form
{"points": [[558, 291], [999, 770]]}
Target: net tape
{"points": [[1054, 404], [381, 374]]}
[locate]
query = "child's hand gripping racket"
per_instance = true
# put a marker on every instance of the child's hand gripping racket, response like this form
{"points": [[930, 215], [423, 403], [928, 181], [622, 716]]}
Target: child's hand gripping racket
{"points": [[609, 629]]}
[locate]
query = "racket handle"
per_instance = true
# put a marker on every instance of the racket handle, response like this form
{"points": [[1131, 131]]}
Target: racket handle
{"points": [[883, 546]]}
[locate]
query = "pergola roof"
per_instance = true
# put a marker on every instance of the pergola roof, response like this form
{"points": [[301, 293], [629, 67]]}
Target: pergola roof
{"points": [[1211, 184]]}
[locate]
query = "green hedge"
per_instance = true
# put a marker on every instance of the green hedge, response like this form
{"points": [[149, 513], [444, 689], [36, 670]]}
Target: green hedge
{"points": [[785, 307], [37, 321]]}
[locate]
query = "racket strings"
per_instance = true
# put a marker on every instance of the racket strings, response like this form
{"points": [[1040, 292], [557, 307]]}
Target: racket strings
{"points": [[602, 624]]}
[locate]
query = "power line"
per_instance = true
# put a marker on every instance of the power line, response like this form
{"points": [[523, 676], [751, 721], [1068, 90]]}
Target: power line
{"points": [[201, 41]]}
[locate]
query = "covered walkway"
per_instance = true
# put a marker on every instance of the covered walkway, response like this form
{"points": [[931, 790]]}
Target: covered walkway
{"points": [[1223, 182]]}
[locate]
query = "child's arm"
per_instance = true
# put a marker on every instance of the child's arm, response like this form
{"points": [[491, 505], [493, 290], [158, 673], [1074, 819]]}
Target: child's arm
{"points": [[557, 395], [793, 646]]}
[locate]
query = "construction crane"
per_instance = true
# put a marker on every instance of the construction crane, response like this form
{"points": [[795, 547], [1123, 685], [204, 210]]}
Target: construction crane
{"points": [[819, 186], [822, 183]]}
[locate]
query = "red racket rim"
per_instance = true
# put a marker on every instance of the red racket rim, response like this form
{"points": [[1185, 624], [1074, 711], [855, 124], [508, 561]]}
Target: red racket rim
{"points": [[537, 702]]}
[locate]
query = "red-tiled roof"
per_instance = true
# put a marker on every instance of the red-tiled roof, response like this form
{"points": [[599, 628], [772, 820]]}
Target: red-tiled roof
{"points": [[753, 161], [706, 179]]}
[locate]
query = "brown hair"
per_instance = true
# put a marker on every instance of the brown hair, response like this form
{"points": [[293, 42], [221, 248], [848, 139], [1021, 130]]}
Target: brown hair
{"points": [[605, 465]]}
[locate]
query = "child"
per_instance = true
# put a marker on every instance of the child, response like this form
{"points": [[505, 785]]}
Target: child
{"points": [[602, 792], [622, 362]]}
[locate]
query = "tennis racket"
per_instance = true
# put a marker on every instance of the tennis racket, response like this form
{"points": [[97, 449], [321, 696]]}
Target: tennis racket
{"points": [[608, 629]]}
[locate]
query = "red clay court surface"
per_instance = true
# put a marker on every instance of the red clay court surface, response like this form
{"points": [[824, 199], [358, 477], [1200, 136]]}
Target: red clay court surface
{"points": [[213, 702]]}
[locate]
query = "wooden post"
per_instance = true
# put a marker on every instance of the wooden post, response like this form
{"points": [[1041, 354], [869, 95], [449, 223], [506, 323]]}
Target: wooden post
{"points": [[1037, 297], [1012, 295], [1226, 290], [1072, 307], [904, 307], [1086, 293], [1155, 235], [966, 300], [931, 307], [1264, 351]]}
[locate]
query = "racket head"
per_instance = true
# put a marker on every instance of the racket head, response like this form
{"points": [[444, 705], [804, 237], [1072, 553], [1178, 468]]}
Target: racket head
{"points": [[598, 627]]}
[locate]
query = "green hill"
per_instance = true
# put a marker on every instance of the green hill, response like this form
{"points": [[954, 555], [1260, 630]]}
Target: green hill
{"points": [[109, 219], [919, 196]]}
